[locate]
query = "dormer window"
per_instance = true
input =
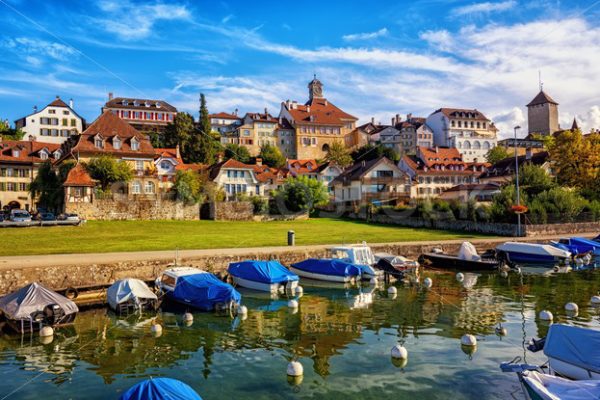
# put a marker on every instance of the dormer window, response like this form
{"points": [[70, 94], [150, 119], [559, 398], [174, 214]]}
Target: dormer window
{"points": [[16, 153], [43, 155], [135, 144], [157, 104], [135, 103], [57, 154], [147, 104], [125, 102], [99, 142], [116, 143]]}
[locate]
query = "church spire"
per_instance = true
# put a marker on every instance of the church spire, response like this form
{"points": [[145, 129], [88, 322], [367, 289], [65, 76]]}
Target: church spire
{"points": [[315, 89], [574, 127]]}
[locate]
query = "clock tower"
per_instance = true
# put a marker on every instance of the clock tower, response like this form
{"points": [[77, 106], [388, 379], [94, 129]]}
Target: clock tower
{"points": [[315, 89]]}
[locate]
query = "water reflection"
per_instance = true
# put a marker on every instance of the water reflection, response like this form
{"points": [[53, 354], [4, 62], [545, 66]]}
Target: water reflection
{"points": [[338, 332]]}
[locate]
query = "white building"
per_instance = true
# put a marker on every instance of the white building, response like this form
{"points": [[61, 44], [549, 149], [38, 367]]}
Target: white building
{"points": [[55, 123], [469, 131]]}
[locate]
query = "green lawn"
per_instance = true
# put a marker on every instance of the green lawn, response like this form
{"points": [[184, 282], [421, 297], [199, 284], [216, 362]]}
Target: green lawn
{"points": [[111, 236]]}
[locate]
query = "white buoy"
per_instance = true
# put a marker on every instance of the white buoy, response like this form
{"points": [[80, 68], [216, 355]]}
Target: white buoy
{"points": [[188, 317], [468, 340], [595, 300], [242, 311], [399, 351], [504, 274], [46, 331], [546, 315], [427, 282], [299, 291], [392, 290], [293, 304], [460, 277], [571, 307], [156, 329], [294, 368]]}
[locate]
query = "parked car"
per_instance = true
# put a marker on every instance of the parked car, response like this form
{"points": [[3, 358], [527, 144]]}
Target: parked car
{"points": [[20, 216], [69, 217], [45, 216]]}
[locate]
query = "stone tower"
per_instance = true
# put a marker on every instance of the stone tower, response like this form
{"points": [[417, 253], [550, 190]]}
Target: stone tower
{"points": [[315, 89], [542, 115]]}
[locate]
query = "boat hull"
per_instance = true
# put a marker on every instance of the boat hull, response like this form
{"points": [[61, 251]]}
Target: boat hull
{"points": [[452, 262], [571, 371], [528, 258], [323, 277], [264, 287], [25, 326]]}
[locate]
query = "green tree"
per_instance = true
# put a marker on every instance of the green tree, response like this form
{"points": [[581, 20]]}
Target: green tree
{"points": [[575, 158], [178, 132], [187, 186], [533, 179], [370, 152], [8, 133], [107, 170], [302, 194], [271, 156], [237, 152], [46, 188], [496, 154], [204, 144], [339, 154]]}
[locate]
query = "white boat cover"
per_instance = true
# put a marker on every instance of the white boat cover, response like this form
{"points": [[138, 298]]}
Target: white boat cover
{"points": [[33, 298], [549, 387], [533, 248], [468, 252], [574, 345], [127, 289]]}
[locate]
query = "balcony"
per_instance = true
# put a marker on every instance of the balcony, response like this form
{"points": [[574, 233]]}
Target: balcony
{"points": [[380, 180]]}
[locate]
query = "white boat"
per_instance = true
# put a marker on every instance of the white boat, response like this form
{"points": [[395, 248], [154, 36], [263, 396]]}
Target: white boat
{"points": [[573, 351], [531, 253], [167, 281], [265, 276], [359, 254], [539, 386], [131, 294]]}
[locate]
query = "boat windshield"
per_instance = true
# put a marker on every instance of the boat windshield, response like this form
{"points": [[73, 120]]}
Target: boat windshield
{"points": [[168, 280], [341, 254]]}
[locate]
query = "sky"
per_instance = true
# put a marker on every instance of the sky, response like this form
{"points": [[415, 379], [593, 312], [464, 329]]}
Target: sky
{"points": [[375, 59]]}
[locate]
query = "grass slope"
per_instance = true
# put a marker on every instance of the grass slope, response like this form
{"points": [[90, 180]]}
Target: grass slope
{"points": [[118, 236]]}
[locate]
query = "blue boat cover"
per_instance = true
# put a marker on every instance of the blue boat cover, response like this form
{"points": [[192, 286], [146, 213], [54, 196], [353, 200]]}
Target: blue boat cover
{"points": [[574, 345], [160, 389], [329, 266], [203, 291], [262, 271]]}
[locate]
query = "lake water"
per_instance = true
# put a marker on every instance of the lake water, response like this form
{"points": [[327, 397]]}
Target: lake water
{"points": [[342, 339]]}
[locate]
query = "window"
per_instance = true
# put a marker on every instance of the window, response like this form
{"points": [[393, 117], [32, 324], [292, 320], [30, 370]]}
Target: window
{"points": [[139, 165], [136, 188], [22, 187], [165, 165], [99, 143], [135, 145], [57, 154], [148, 115], [116, 143], [65, 112], [257, 189], [149, 188], [78, 191], [65, 122], [73, 122], [54, 132], [44, 132], [15, 153], [64, 132], [43, 155], [51, 111]]}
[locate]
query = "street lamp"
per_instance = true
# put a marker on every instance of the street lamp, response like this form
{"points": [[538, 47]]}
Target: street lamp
{"points": [[517, 175]]}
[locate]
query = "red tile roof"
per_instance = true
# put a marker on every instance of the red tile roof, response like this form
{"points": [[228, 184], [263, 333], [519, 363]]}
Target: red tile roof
{"points": [[439, 156], [117, 102], [58, 103], [318, 111], [462, 113], [109, 126], [192, 167], [262, 117], [29, 151], [223, 115], [78, 176]]}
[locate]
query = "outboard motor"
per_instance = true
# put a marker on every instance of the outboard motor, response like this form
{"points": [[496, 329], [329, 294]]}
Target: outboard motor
{"points": [[54, 314]]}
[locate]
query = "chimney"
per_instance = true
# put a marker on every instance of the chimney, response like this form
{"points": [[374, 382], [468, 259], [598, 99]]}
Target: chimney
{"points": [[34, 109], [409, 116], [308, 109], [266, 112], [259, 161], [528, 153], [235, 112], [393, 121], [437, 149], [398, 118], [110, 96], [326, 103], [71, 103], [373, 120], [177, 152]]}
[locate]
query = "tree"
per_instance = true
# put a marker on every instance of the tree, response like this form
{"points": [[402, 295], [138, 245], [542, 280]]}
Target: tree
{"points": [[237, 152], [204, 144], [370, 152], [271, 156], [533, 179], [187, 186], [496, 154], [47, 188], [302, 194], [8, 133], [108, 170], [179, 133], [339, 155]]}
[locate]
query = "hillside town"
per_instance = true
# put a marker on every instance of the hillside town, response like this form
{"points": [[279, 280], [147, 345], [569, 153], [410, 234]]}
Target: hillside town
{"points": [[444, 155]]}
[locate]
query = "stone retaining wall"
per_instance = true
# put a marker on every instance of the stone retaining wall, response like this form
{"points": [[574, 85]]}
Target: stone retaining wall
{"points": [[141, 209]]}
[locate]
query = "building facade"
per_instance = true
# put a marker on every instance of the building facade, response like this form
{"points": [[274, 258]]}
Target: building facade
{"points": [[224, 123], [54, 123], [317, 123], [542, 115], [143, 114], [467, 130]]}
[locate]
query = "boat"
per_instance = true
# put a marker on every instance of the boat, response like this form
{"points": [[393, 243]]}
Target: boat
{"points": [[397, 266], [328, 269], [359, 254], [131, 295], [467, 259], [197, 289], [578, 245], [35, 306], [160, 389], [266, 276], [573, 351], [531, 253]]}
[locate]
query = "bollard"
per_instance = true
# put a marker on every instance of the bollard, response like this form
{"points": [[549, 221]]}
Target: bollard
{"points": [[291, 238]]}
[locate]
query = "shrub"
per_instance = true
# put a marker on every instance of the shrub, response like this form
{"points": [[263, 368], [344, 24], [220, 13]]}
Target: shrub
{"points": [[260, 204]]}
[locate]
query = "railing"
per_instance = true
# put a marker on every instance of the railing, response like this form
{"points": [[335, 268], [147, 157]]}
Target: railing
{"points": [[382, 180]]}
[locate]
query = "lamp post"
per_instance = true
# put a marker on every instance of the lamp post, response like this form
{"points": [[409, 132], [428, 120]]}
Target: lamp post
{"points": [[517, 175]]}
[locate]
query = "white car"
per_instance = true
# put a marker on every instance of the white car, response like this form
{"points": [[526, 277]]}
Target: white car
{"points": [[20, 216]]}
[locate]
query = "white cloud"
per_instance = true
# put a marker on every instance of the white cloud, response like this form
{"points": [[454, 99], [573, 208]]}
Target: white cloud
{"points": [[133, 21], [365, 36], [441, 40], [227, 18], [36, 51], [485, 7], [506, 121]]}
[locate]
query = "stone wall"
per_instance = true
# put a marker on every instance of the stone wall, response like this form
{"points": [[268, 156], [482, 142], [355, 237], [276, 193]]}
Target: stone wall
{"points": [[126, 209], [230, 211], [562, 229]]}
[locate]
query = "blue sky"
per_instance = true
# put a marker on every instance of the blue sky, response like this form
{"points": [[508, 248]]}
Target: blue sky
{"points": [[375, 58]]}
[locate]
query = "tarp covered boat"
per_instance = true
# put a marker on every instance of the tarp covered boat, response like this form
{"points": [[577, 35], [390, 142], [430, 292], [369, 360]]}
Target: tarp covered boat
{"points": [[539, 386], [160, 389], [203, 291], [578, 245], [573, 352], [327, 269], [130, 294], [268, 276], [531, 253], [34, 306]]}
